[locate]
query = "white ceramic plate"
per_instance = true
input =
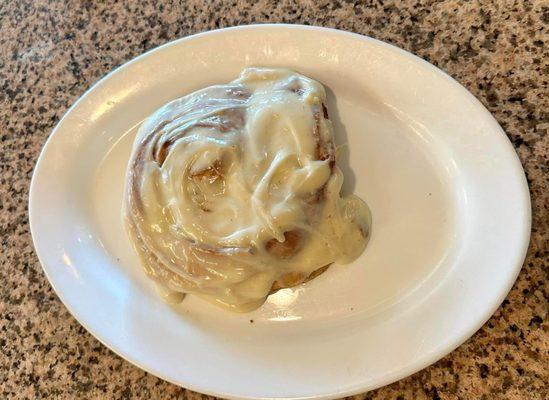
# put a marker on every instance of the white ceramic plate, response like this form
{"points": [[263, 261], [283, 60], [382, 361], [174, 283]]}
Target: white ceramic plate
{"points": [[449, 200]]}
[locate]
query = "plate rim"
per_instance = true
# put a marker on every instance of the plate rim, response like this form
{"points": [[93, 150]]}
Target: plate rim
{"points": [[358, 387]]}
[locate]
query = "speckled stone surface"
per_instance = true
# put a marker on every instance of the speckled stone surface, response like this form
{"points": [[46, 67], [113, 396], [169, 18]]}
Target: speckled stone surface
{"points": [[51, 53]]}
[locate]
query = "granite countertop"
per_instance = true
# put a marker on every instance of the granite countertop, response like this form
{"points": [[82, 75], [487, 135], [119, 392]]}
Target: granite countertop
{"points": [[50, 53]]}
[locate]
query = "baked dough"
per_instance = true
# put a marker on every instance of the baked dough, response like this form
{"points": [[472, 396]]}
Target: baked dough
{"points": [[233, 191]]}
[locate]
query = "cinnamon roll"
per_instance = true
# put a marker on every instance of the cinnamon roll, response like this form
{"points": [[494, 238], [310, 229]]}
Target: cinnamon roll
{"points": [[233, 192]]}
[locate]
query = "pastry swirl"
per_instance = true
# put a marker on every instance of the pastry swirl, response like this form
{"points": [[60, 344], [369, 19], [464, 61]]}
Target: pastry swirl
{"points": [[233, 191]]}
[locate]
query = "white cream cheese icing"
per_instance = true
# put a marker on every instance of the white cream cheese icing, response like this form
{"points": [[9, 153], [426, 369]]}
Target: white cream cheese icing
{"points": [[233, 191]]}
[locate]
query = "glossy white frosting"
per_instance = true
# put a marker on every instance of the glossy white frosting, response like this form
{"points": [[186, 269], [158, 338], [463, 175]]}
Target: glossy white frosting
{"points": [[218, 176]]}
